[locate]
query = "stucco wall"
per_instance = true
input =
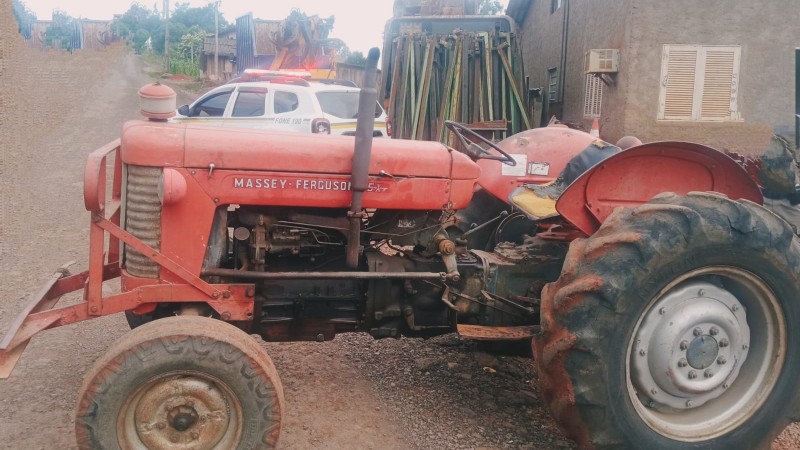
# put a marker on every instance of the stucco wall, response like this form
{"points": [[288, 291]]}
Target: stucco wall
{"points": [[767, 33], [595, 25], [541, 44]]}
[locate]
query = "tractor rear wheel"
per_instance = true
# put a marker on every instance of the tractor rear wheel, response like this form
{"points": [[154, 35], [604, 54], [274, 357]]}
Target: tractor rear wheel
{"points": [[676, 325], [179, 383]]}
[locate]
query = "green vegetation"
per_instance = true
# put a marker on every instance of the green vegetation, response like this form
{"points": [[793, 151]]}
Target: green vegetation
{"points": [[489, 7], [183, 66], [24, 18], [62, 32], [355, 58], [145, 30]]}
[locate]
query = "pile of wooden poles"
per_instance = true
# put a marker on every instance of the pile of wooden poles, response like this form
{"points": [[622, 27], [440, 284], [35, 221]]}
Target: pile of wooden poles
{"points": [[475, 78]]}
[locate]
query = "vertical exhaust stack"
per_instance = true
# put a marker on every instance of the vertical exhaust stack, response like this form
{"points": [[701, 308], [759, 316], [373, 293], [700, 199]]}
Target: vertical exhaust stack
{"points": [[361, 155]]}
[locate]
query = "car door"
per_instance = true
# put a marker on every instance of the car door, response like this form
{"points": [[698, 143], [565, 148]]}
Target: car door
{"points": [[210, 109], [290, 110], [248, 108]]}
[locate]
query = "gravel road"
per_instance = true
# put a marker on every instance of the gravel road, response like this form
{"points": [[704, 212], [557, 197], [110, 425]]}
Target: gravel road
{"points": [[353, 392]]}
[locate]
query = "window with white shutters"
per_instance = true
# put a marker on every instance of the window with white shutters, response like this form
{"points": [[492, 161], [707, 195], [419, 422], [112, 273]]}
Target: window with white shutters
{"points": [[594, 97], [699, 82]]}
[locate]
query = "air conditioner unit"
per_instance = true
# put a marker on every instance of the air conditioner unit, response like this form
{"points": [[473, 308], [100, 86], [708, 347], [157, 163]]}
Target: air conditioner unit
{"points": [[602, 60]]}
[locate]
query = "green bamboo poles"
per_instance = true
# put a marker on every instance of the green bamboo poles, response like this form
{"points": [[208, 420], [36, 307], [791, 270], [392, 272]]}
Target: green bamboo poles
{"points": [[469, 77]]}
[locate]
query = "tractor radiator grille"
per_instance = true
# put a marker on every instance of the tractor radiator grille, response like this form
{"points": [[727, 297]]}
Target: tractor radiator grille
{"points": [[142, 217]]}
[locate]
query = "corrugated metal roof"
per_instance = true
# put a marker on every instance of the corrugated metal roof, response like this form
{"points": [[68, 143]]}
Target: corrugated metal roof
{"points": [[227, 45]]}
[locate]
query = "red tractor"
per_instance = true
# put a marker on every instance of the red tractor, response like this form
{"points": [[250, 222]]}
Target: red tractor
{"points": [[663, 300]]}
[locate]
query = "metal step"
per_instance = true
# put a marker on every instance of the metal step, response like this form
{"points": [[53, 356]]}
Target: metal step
{"points": [[483, 333]]}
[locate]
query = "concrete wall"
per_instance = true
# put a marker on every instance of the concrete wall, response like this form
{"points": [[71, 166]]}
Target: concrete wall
{"points": [[766, 31], [541, 46], [592, 24], [597, 24]]}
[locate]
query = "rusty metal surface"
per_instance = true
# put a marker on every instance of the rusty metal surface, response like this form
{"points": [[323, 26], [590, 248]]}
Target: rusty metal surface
{"points": [[483, 333], [235, 304], [253, 275], [631, 178], [23, 327], [155, 256], [143, 217], [181, 410]]}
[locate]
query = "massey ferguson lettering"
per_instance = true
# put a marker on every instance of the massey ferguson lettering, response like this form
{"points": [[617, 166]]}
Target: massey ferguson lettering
{"points": [[301, 184]]}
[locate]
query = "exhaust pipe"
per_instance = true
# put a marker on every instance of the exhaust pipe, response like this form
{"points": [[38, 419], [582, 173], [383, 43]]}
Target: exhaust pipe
{"points": [[361, 155]]}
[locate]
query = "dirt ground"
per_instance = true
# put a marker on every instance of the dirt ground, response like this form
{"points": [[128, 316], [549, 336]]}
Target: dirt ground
{"points": [[354, 392]]}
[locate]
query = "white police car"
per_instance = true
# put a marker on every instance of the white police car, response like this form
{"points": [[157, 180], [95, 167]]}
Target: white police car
{"points": [[285, 101]]}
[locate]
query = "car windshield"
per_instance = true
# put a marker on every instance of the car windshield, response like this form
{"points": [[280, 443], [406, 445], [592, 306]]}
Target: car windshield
{"points": [[342, 104]]}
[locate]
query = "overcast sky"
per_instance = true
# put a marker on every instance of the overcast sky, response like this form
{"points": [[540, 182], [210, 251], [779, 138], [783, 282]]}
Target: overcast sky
{"points": [[358, 23]]}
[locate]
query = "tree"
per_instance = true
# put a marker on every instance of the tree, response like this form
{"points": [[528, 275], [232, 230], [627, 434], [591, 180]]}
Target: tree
{"points": [[191, 44], [62, 32], [202, 17], [24, 16], [489, 7], [140, 38], [356, 58], [138, 17]]}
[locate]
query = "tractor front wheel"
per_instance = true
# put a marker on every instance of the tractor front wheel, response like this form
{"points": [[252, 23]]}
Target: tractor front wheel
{"points": [[179, 383], [677, 325]]}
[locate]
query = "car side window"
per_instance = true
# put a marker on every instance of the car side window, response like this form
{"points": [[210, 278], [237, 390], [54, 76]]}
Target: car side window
{"points": [[213, 106], [250, 102], [285, 102]]}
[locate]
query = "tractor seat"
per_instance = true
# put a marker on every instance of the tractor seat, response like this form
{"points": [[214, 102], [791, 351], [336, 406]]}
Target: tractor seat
{"points": [[538, 201]]}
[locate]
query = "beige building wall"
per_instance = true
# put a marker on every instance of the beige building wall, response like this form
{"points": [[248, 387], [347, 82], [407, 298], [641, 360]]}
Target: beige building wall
{"points": [[767, 33]]}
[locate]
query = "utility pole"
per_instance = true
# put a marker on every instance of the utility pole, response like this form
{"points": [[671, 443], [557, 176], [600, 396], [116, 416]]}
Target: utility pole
{"points": [[166, 34], [216, 39]]}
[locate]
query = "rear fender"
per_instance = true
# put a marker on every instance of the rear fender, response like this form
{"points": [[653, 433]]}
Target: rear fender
{"points": [[636, 175]]}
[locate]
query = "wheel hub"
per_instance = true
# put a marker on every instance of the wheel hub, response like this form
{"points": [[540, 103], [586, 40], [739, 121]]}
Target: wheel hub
{"points": [[181, 418], [702, 352], [182, 412], [689, 347]]}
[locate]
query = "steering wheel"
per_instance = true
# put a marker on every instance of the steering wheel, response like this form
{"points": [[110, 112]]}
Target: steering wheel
{"points": [[474, 150]]}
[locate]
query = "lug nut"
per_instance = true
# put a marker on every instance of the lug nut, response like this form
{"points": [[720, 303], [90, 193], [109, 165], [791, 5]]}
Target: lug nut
{"points": [[721, 360], [682, 362], [697, 331], [708, 373], [724, 342], [692, 374], [701, 293], [713, 331], [654, 391], [684, 345], [642, 352], [689, 403]]}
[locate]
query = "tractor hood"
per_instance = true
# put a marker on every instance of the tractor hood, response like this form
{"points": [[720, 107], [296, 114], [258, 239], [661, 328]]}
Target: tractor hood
{"points": [[195, 146], [246, 166]]}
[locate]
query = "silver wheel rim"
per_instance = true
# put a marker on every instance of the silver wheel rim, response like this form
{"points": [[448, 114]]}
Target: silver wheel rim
{"points": [[705, 353], [181, 410]]}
